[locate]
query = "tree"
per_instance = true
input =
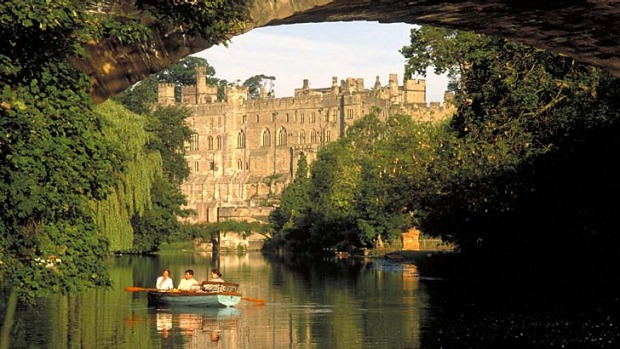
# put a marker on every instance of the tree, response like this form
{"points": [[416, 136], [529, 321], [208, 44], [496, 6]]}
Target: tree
{"points": [[183, 73], [132, 195], [256, 83], [141, 97], [290, 220], [170, 132]]}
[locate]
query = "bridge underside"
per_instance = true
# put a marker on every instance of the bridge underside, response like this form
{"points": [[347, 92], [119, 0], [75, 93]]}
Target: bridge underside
{"points": [[587, 30]]}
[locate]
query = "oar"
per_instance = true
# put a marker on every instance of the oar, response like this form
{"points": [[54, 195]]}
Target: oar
{"points": [[255, 300], [139, 289]]}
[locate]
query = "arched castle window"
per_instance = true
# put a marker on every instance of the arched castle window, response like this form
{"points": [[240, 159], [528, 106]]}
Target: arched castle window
{"points": [[257, 118], [302, 137], [193, 143], [210, 143], [349, 113], [301, 117], [313, 139], [282, 137], [241, 140], [218, 143], [326, 116], [266, 138], [244, 119], [328, 136], [239, 165], [288, 118]]}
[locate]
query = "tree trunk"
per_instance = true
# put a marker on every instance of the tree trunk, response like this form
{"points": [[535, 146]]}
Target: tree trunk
{"points": [[5, 332]]}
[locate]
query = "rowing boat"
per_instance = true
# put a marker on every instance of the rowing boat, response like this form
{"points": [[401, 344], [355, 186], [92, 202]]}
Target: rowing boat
{"points": [[212, 294]]}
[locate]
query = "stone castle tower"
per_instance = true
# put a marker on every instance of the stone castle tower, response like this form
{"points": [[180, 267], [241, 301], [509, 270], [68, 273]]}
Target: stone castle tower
{"points": [[244, 151]]}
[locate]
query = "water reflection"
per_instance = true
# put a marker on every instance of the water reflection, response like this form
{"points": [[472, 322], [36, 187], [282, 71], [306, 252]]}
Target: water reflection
{"points": [[198, 328], [311, 303], [164, 324]]}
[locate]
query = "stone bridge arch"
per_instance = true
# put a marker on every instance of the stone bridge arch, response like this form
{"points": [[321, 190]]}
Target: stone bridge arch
{"points": [[587, 30]]}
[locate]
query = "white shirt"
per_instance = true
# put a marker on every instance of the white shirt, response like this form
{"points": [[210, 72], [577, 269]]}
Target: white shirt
{"points": [[186, 284], [165, 285]]}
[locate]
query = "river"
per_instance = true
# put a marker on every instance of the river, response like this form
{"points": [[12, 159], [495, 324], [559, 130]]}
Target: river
{"points": [[318, 303]]}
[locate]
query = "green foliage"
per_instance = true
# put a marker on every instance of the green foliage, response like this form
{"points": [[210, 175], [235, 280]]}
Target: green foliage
{"points": [[214, 20], [170, 131], [55, 157], [525, 154], [132, 196], [357, 188], [255, 83], [141, 97], [168, 134], [290, 221], [183, 72], [160, 222]]}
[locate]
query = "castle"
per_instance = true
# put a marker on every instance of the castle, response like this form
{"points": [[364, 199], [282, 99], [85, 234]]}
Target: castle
{"points": [[243, 151]]}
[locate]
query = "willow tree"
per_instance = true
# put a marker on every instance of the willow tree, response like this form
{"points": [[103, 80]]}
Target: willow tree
{"points": [[132, 195]]}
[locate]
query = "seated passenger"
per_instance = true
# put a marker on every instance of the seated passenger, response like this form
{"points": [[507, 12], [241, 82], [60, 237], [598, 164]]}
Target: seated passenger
{"points": [[188, 283], [216, 276], [164, 282]]}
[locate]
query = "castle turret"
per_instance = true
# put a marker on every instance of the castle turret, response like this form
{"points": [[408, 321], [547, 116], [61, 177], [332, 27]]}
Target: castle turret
{"points": [[201, 84], [236, 95], [348, 86], [393, 85], [415, 91], [165, 94]]}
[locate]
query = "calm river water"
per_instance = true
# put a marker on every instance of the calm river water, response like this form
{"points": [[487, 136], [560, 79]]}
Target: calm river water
{"points": [[324, 303]]}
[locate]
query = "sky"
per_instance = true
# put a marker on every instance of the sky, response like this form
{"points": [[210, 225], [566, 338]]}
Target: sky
{"points": [[318, 52]]}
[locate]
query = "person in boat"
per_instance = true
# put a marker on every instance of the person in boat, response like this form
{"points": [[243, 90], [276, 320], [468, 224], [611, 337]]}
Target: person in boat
{"points": [[188, 283], [164, 282], [216, 276]]}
